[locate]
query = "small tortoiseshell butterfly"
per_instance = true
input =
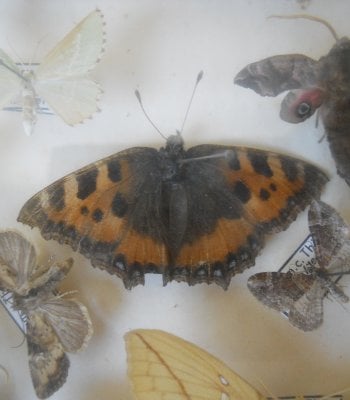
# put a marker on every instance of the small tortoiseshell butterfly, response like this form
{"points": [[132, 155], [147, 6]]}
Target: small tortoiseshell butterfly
{"points": [[301, 294], [196, 215]]}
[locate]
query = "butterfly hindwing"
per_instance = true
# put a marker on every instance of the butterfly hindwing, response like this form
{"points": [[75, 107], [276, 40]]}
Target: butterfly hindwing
{"points": [[129, 217], [163, 366]]}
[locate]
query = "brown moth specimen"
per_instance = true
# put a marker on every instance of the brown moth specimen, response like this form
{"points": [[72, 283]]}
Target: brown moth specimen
{"points": [[54, 325], [299, 294], [196, 215], [322, 85]]}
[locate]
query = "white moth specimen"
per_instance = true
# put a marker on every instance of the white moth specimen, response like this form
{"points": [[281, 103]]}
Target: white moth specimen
{"points": [[54, 324], [61, 79]]}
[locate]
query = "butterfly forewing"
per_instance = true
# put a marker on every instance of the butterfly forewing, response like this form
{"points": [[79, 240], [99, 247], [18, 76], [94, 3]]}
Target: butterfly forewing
{"points": [[162, 366]]}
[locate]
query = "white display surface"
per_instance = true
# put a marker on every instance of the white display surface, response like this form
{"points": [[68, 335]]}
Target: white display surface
{"points": [[159, 47]]}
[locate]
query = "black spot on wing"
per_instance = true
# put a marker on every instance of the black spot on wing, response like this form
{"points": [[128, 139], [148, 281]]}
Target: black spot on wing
{"points": [[86, 183], [114, 171], [242, 191], [119, 205], [56, 194], [264, 194], [273, 187], [97, 215], [259, 163], [289, 168], [84, 211], [233, 161]]}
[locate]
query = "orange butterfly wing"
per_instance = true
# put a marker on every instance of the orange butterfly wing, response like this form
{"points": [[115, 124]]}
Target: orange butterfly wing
{"points": [[132, 214]]}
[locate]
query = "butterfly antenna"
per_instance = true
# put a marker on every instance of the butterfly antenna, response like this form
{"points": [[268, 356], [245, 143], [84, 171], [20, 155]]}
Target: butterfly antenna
{"points": [[199, 77], [311, 18], [138, 96]]}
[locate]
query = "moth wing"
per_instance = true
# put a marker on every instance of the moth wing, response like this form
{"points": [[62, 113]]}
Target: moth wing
{"points": [[48, 363], [17, 262], [96, 209], [61, 77], [73, 99], [273, 75], [307, 312], [164, 366], [11, 82], [300, 104], [279, 290], [331, 235], [70, 320], [77, 53]]}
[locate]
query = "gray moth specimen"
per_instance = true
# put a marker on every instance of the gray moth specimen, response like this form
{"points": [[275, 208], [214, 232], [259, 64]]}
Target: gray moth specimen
{"points": [[322, 85], [54, 324], [300, 294]]}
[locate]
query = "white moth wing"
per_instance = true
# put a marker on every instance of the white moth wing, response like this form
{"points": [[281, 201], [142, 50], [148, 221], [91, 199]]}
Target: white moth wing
{"points": [[18, 261], [77, 53], [61, 79], [162, 366], [70, 320], [73, 99], [11, 81]]}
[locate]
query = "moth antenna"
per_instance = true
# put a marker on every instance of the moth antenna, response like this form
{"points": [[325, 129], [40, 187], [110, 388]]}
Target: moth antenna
{"points": [[199, 78], [4, 370], [311, 18], [138, 96]]}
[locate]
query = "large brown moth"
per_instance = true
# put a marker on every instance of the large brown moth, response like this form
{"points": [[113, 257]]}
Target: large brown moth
{"points": [[322, 85], [54, 324]]}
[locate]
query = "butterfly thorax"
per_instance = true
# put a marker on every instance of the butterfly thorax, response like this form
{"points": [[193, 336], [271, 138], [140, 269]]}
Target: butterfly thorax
{"points": [[169, 158], [327, 283]]}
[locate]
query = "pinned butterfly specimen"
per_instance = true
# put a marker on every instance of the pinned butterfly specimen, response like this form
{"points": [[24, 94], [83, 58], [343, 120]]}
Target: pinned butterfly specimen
{"points": [[62, 77], [163, 366], [196, 215], [322, 85], [301, 294], [54, 324]]}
